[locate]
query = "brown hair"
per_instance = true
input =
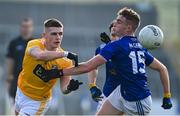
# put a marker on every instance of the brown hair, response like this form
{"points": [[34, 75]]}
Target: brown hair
{"points": [[132, 16], [52, 23]]}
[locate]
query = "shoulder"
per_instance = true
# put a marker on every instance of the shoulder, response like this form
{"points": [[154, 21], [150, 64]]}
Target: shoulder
{"points": [[125, 40], [37, 42], [119, 44], [102, 46], [15, 40], [98, 49], [128, 38]]}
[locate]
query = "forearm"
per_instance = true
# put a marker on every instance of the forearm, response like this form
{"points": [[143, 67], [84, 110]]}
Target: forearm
{"points": [[50, 55], [164, 76], [92, 76], [46, 55], [64, 81], [10, 66], [166, 103], [82, 68], [85, 67], [9, 76]]}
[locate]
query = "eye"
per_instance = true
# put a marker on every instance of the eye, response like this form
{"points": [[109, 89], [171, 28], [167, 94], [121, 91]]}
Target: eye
{"points": [[119, 21], [55, 33]]}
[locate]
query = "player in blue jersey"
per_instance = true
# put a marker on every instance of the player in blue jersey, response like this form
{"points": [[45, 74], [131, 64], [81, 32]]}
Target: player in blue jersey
{"points": [[129, 60], [112, 78]]}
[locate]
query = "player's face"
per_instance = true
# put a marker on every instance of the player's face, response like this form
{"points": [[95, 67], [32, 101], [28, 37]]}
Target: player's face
{"points": [[26, 29], [113, 36], [119, 26], [53, 36]]}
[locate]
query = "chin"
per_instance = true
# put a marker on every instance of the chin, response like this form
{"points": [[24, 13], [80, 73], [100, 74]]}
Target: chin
{"points": [[55, 46]]}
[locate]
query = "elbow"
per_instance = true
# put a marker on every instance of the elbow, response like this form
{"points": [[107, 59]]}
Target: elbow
{"points": [[163, 68], [88, 68]]}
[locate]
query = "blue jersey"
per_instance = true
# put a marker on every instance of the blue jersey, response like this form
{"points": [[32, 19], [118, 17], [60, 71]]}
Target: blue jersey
{"points": [[112, 78], [129, 60]]}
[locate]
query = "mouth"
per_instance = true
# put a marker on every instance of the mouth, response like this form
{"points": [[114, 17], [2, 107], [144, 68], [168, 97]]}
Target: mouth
{"points": [[57, 43], [113, 29]]}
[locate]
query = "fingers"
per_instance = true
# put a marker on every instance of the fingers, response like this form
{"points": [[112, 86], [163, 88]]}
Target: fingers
{"points": [[98, 98], [80, 83], [76, 81], [166, 106], [76, 62], [101, 97]]}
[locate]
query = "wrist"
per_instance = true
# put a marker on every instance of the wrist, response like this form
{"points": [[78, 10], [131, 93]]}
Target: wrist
{"points": [[61, 72], [92, 85], [167, 95], [66, 91], [68, 88]]}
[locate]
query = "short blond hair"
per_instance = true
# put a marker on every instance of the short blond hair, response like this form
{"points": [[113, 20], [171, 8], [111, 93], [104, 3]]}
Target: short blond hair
{"points": [[131, 16]]}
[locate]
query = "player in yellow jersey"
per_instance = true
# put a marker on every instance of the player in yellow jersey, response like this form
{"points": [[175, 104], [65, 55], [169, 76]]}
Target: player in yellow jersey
{"points": [[33, 95]]}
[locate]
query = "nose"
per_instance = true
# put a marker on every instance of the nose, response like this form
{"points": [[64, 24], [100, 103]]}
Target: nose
{"points": [[114, 23], [58, 36]]}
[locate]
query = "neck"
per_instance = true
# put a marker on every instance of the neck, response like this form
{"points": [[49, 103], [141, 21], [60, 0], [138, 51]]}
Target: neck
{"points": [[25, 37], [114, 37], [127, 34]]}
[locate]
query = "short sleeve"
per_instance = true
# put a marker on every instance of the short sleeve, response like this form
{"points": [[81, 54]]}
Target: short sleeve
{"points": [[149, 58], [34, 43], [97, 51]]}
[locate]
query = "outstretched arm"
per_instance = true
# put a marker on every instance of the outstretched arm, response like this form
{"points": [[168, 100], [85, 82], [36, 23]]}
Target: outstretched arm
{"points": [[85, 67]]}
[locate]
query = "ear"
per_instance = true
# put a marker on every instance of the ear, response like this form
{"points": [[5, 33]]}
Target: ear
{"points": [[43, 35], [129, 27]]}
